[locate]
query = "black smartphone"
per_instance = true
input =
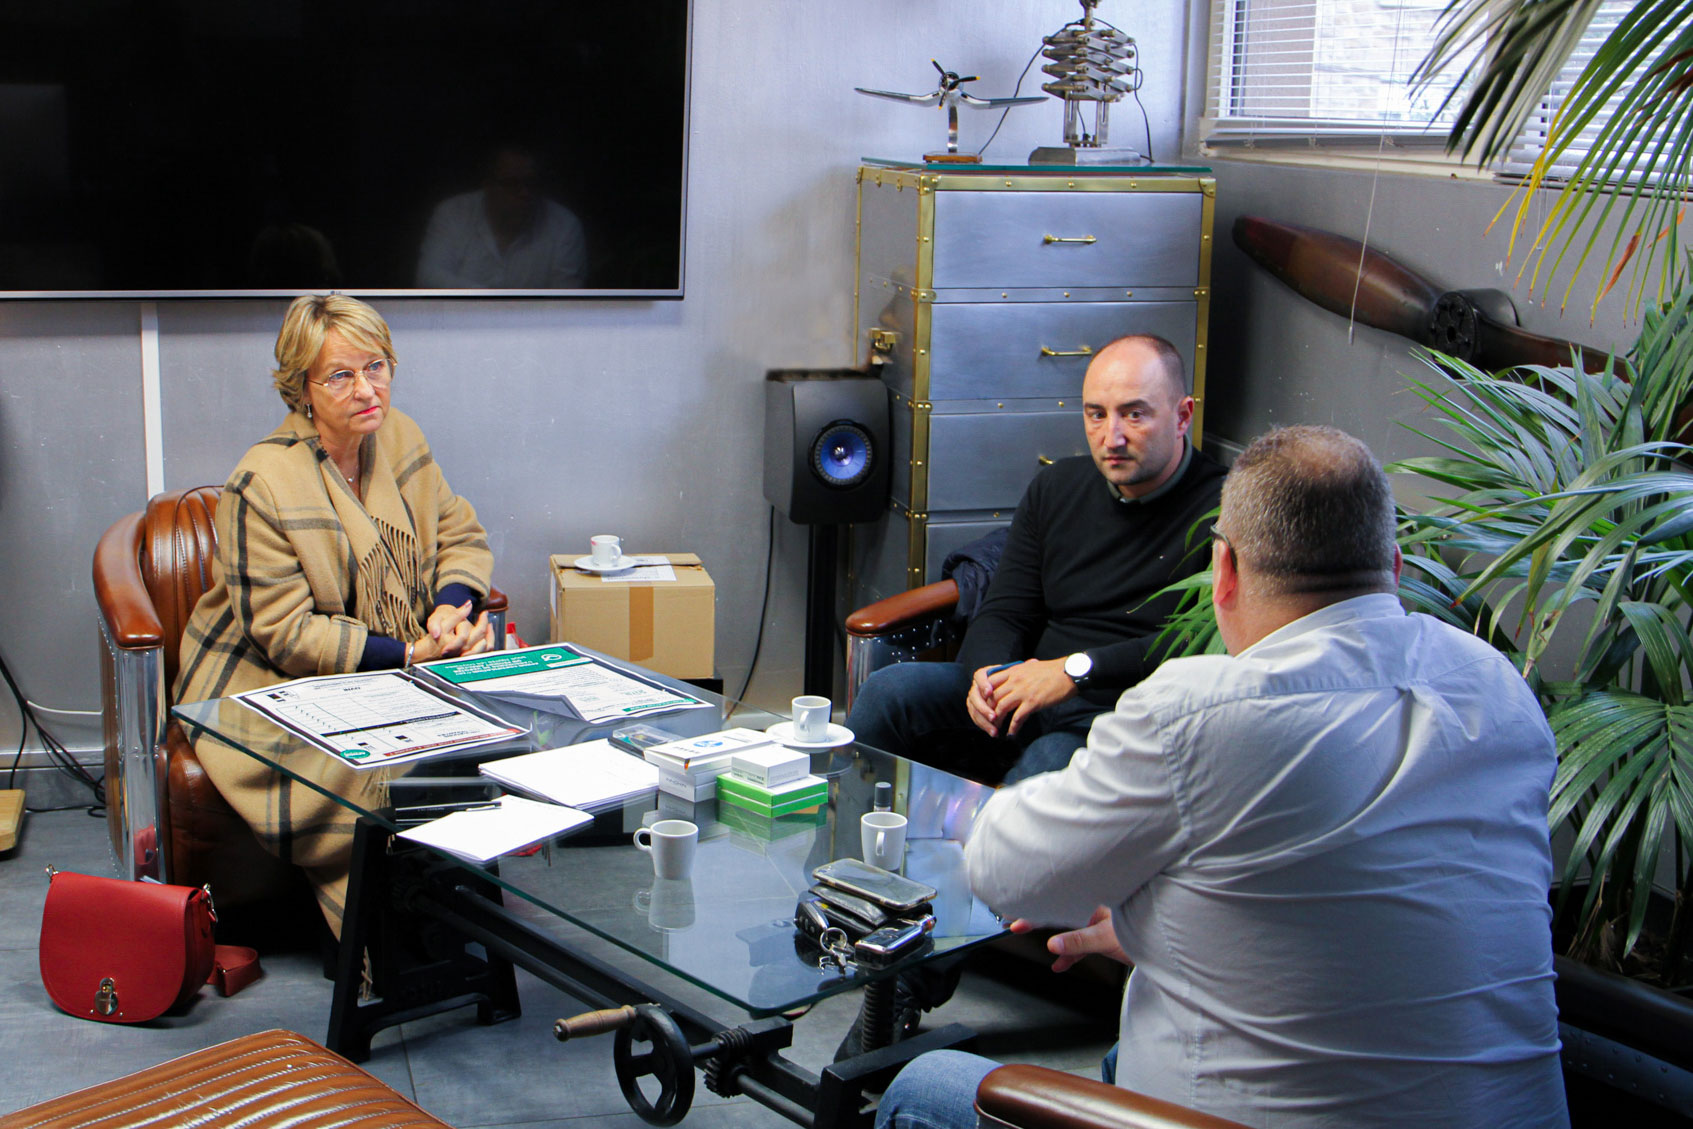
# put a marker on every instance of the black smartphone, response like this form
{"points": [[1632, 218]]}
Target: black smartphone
{"points": [[851, 905], [881, 887]]}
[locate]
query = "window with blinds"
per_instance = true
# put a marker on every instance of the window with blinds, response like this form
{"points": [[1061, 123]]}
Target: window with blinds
{"points": [[1337, 73], [1309, 70], [1532, 140]]}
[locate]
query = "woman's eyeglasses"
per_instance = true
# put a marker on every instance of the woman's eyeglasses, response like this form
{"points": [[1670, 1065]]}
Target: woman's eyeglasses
{"points": [[378, 373]]}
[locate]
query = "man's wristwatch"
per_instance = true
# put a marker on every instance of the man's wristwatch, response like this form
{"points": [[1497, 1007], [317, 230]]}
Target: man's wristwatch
{"points": [[1079, 667]]}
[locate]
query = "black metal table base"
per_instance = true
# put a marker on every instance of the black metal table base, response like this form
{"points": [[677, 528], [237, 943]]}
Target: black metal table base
{"points": [[394, 963], [439, 938]]}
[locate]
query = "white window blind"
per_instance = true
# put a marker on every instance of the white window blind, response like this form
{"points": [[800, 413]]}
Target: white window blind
{"points": [[1337, 72], [1532, 140], [1310, 70]]}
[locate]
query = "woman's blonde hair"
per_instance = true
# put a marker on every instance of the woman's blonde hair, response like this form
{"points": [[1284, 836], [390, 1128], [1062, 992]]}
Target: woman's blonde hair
{"points": [[301, 339]]}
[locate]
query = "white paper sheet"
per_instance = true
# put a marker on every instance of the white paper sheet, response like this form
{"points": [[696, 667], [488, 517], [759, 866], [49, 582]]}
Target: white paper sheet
{"points": [[590, 775], [375, 718], [512, 825]]}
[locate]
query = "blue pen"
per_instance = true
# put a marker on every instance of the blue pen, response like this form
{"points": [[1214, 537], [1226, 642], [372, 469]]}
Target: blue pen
{"points": [[1004, 666]]}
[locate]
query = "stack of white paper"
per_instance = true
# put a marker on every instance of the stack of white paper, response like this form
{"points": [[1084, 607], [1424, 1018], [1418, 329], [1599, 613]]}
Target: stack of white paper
{"points": [[487, 833], [591, 775]]}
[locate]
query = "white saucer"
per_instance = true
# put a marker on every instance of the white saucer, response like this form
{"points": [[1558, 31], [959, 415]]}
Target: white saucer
{"points": [[586, 564], [783, 731]]}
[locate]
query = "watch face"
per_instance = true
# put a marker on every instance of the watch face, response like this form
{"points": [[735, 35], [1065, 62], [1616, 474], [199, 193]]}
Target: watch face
{"points": [[1078, 665]]}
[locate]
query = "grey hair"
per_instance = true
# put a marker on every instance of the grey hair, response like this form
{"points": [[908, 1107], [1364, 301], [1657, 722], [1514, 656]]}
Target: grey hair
{"points": [[1309, 509]]}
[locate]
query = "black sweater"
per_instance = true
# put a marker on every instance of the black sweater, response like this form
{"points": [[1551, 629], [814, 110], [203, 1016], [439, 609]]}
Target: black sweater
{"points": [[1080, 565]]}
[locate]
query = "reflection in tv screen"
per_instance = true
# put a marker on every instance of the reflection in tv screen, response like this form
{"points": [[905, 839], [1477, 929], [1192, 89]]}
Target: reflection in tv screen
{"points": [[239, 146]]}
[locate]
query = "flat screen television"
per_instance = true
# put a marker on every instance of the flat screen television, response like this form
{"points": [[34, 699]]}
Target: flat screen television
{"points": [[166, 148]]}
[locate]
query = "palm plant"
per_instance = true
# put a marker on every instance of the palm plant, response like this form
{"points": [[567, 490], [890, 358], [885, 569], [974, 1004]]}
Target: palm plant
{"points": [[1567, 510], [1624, 125], [1570, 490]]}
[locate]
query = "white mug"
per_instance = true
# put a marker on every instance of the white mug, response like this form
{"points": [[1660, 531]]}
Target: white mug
{"points": [[668, 904], [605, 549], [671, 843], [811, 717], [882, 835]]}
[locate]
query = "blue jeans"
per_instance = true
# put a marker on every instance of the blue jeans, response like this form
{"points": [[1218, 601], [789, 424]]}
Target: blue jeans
{"points": [[916, 710], [938, 1090], [935, 1091]]}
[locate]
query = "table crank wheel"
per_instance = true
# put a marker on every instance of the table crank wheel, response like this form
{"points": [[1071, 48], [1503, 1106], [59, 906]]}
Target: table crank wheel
{"points": [[670, 1059]]}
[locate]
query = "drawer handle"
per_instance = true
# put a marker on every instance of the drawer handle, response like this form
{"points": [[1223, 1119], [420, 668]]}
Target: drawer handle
{"points": [[1084, 351], [1043, 460], [1069, 239]]}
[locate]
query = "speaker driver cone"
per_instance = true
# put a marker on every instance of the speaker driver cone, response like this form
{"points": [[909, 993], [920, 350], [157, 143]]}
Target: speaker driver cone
{"points": [[842, 455]]}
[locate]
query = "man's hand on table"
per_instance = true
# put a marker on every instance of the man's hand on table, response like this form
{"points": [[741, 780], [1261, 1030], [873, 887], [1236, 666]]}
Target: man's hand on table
{"points": [[1001, 700], [1070, 946]]}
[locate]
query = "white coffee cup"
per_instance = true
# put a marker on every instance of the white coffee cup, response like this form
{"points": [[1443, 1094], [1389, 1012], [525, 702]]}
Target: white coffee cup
{"points": [[668, 904], [605, 549], [882, 835], [671, 843], [811, 717]]}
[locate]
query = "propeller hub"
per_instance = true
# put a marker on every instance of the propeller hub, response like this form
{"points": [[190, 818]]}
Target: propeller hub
{"points": [[1452, 326]]}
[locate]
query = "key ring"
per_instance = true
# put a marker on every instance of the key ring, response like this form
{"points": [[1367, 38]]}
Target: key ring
{"points": [[837, 949]]}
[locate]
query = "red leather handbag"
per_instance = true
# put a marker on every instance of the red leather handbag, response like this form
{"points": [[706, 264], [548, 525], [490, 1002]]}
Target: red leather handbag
{"points": [[127, 952]]}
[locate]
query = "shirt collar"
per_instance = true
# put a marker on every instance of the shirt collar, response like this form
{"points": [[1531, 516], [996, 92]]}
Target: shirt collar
{"points": [[1164, 487], [1376, 605]]}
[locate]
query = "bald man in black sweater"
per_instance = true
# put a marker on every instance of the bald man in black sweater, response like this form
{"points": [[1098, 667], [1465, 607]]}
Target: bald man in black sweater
{"points": [[1068, 623]]}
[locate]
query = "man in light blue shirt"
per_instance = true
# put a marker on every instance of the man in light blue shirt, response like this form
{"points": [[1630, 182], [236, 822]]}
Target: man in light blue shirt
{"points": [[1326, 854]]}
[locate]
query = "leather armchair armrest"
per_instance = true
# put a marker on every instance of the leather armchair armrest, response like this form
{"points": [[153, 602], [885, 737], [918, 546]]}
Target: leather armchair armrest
{"points": [[494, 601], [904, 609], [120, 591], [1040, 1098]]}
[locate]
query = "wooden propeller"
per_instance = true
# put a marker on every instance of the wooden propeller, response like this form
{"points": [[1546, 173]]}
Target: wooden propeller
{"points": [[1477, 326]]}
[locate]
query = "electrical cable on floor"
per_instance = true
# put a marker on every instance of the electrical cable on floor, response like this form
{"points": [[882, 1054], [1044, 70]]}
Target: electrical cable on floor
{"points": [[63, 760], [763, 606]]}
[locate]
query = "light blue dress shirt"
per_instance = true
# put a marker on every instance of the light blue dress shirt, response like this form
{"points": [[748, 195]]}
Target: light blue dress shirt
{"points": [[1328, 857]]}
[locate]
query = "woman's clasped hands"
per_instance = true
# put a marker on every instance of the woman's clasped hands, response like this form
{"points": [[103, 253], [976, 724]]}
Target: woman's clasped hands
{"points": [[451, 634]]}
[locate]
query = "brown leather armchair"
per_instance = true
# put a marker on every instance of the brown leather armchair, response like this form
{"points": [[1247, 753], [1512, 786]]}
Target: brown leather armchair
{"points": [[1036, 1097], [905, 627], [166, 818]]}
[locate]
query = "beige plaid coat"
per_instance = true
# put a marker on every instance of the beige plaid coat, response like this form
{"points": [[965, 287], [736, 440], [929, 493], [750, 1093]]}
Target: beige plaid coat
{"points": [[304, 572]]}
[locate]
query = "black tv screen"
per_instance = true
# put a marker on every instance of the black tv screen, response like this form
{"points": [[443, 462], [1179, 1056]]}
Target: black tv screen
{"points": [[246, 147]]}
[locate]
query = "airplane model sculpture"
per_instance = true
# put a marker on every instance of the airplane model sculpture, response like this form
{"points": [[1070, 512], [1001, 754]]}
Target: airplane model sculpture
{"points": [[950, 94]]}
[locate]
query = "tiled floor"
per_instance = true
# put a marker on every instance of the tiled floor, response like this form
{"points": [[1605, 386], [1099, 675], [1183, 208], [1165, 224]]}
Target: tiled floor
{"points": [[507, 1075]]}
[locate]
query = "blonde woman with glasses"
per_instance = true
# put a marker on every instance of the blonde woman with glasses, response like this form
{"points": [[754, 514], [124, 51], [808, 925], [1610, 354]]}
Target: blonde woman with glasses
{"points": [[340, 548]]}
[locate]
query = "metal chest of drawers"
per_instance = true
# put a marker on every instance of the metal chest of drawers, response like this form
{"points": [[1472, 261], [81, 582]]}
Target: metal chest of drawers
{"points": [[981, 295]]}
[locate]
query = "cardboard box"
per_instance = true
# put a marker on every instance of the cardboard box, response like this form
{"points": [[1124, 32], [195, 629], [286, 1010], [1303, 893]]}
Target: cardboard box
{"points": [[668, 626]]}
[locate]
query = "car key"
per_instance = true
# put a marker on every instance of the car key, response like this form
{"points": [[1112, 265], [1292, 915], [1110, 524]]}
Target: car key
{"points": [[892, 942]]}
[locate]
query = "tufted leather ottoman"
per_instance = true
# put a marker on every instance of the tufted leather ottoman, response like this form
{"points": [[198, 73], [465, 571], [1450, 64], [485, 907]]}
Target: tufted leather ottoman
{"points": [[264, 1081]]}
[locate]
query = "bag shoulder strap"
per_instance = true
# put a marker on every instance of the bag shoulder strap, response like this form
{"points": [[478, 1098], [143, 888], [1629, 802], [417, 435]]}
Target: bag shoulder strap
{"points": [[233, 968]]}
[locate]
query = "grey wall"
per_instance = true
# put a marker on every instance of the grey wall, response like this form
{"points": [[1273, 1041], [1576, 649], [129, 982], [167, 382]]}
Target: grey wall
{"points": [[1276, 358], [557, 419]]}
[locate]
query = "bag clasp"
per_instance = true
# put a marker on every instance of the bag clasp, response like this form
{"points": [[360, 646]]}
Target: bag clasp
{"points": [[106, 999]]}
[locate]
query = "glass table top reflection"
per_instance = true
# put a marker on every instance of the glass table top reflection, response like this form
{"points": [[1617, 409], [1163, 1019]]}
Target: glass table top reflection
{"points": [[729, 927]]}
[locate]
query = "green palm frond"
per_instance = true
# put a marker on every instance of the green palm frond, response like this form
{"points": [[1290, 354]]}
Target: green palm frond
{"points": [[1627, 115], [1622, 782]]}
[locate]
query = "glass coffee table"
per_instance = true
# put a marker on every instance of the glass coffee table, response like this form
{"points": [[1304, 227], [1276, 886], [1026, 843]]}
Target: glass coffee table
{"points": [[425, 931]]}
